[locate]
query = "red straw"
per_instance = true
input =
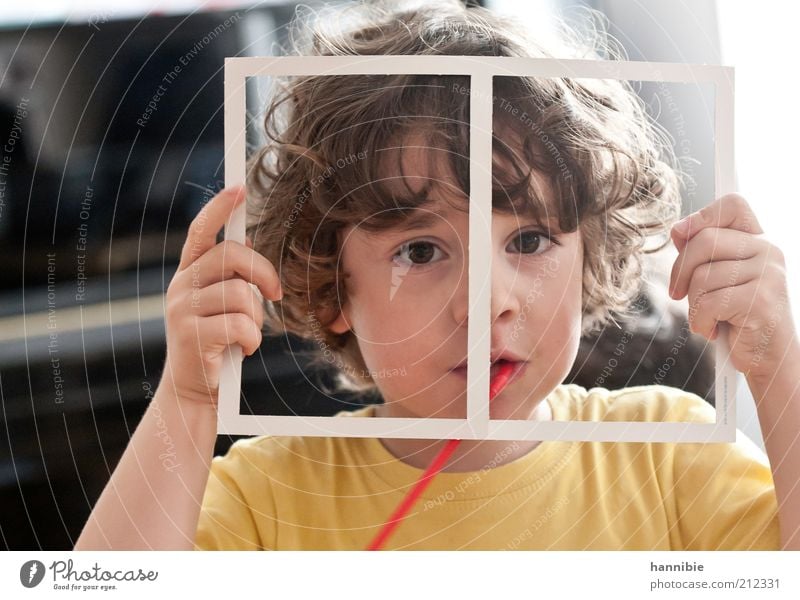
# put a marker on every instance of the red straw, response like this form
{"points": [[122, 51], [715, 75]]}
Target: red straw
{"points": [[497, 384]]}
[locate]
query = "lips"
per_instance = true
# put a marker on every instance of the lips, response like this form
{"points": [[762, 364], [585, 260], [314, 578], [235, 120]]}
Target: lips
{"points": [[496, 357], [519, 367]]}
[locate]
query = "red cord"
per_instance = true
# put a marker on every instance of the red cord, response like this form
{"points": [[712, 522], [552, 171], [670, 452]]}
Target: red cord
{"points": [[497, 384]]}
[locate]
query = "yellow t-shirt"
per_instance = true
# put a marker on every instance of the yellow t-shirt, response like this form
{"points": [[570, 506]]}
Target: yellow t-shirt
{"points": [[318, 493]]}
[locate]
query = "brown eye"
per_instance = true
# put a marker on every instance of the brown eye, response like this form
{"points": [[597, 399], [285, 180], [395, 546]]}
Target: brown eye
{"points": [[529, 242], [416, 253]]}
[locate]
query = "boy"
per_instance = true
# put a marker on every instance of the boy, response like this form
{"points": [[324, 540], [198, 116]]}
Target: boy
{"points": [[579, 188]]}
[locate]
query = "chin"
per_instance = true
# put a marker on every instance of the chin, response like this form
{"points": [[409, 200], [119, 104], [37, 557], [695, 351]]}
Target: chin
{"points": [[513, 409], [521, 398]]}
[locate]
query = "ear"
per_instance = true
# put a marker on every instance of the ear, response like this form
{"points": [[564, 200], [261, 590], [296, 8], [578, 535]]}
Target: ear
{"points": [[339, 325]]}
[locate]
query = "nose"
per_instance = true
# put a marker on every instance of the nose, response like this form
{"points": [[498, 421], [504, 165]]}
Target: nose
{"points": [[505, 305], [460, 302]]}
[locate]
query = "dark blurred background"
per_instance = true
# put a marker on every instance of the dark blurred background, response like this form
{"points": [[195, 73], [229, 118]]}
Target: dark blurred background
{"points": [[94, 205]]}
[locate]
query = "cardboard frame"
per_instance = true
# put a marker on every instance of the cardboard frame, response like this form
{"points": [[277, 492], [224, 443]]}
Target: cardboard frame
{"points": [[481, 70]]}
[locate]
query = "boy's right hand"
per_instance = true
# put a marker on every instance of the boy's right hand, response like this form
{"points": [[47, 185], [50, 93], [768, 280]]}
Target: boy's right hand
{"points": [[210, 303]]}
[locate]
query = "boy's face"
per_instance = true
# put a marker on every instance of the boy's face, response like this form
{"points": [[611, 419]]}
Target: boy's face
{"points": [[407, 304]]}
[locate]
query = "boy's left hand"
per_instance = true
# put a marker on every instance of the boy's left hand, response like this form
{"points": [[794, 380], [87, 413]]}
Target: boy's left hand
{"points": [[732, 273]]}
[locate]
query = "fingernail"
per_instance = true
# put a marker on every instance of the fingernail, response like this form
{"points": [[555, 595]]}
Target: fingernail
{"points": [[239, 192], [682, 226]]}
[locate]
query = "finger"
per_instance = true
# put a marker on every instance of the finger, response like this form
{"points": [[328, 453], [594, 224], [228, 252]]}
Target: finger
{"points": [[718, 275], [218, 331], [729, 304], [229, 259], [203, 229], [711, 244], [229, 296], [729, 212]]}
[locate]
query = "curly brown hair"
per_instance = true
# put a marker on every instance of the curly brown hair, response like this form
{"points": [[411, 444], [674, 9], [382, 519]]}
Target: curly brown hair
{"points": [[612, 173]]}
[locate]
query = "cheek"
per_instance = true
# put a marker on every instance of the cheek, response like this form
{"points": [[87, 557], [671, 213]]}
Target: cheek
{"points": [[400, 306], [558, 313], [396, 331], [386, 320]]}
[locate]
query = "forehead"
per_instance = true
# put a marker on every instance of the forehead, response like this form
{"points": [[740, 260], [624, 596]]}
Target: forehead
{"points": [[418, 163], [420, 170]]}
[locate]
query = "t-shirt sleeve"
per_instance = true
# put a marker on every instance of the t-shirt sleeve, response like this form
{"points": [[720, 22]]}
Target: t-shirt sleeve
{"points": [[228, 516], [726, 496]]}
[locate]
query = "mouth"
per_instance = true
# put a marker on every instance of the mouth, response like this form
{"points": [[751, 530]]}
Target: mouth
{"points": [[519, 367]]}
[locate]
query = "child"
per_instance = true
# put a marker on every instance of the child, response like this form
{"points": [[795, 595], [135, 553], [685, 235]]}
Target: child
{"points": [[579, 189]]}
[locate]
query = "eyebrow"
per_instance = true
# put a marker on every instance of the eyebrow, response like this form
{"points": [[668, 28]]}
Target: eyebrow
{"points": [[418, 219], [424, 219]]}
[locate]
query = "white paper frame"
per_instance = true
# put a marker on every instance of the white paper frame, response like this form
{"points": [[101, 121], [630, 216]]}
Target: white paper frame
{"points": [[477, 424]]}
